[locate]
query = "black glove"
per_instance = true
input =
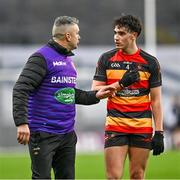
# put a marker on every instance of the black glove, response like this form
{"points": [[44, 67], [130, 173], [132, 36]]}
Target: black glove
{"points": [[158, 143], [129, 77]]}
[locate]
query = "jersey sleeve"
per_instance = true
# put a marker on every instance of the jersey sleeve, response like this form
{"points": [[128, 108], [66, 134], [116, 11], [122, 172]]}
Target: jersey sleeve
{"points": [[85, 97], [30, 78], [155, 78], [100, 73]]}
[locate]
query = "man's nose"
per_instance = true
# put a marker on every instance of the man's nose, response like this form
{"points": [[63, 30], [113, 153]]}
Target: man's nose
{"points": [[116, 37]]}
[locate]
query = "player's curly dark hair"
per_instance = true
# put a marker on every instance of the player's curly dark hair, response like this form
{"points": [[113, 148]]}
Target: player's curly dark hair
{"points": [[130, 22]]}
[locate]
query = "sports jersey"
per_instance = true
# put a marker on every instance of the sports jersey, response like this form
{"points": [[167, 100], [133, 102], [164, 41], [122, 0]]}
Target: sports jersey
{"points": [[130, 110]]}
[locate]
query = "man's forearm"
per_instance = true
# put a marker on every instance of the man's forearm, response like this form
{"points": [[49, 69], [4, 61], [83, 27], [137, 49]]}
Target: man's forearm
{"points": [[157, 115], [114, 85], [19, 107], [85, 97]]}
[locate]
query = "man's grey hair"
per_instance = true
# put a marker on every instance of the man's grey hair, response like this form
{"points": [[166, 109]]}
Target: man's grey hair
{"points": [[61, 23]]}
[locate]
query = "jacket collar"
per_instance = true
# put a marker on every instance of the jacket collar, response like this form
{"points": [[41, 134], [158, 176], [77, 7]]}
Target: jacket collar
{"points": [[60, 49]]}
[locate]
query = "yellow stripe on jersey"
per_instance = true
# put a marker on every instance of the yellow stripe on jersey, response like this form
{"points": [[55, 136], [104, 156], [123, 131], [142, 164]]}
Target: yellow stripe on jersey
{"points": [[130, 100], [144, 75], [115, 73], [118, 74], [131, 122]]}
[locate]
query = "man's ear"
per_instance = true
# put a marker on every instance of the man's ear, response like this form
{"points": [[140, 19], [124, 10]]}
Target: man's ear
{"points": [[135, 35], [68, 37]]}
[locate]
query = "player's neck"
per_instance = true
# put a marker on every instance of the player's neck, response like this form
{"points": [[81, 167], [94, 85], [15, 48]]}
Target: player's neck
{"points": [[132, 49]]}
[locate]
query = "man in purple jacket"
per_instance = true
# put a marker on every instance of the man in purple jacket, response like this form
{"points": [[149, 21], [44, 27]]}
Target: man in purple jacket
{"points": [[44, 99]]}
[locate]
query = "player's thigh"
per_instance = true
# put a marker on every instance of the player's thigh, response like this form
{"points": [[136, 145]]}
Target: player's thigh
{"points": [[115, 157], [140, 146], [138, 158], [116, 148]]}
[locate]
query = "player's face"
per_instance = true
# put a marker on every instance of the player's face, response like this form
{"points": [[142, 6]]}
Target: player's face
{"points": [[73, 36], [123, 38]]}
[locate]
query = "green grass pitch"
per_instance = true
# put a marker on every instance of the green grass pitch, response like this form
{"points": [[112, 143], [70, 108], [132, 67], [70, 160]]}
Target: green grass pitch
{"points": [[91, 166]]}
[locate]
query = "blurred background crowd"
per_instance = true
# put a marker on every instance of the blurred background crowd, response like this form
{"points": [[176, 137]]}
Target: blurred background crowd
{"points": [[25, 25]]}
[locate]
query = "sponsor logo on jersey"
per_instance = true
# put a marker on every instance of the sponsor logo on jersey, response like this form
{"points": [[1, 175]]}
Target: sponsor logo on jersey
{"points": [[115, 65], [128, 92], [63, 79], [59, 63], [65, 95]]}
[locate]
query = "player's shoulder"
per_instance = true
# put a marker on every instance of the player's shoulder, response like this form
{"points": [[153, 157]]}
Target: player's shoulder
{"points": [[109, 53], [148, 57], [152, 60]]}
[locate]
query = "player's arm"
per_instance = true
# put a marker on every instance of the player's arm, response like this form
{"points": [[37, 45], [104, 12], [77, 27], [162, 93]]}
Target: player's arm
{"points": [[155, 82], [99, 80], [156, 104], [100, 77], [129, 77], [97, 85]]}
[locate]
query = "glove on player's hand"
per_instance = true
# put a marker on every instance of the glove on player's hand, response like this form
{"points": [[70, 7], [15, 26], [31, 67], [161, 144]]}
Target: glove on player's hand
{"points": [[158, 143], [129, 77]]}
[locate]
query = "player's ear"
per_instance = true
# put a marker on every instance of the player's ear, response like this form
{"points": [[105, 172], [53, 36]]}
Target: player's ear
{"points": [[134, 35]]}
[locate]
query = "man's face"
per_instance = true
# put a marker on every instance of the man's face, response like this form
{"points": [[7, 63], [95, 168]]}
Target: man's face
{"points": [[74, 37], [123, 38]]}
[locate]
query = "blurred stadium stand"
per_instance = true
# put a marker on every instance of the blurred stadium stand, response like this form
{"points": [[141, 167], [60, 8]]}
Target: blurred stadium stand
{"points": [[30, 21]]}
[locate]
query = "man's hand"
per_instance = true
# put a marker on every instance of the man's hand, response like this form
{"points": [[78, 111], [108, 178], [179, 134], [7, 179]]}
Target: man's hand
{"points": [[23, 134], [129, 77], [158, 143], [106, 91]]}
